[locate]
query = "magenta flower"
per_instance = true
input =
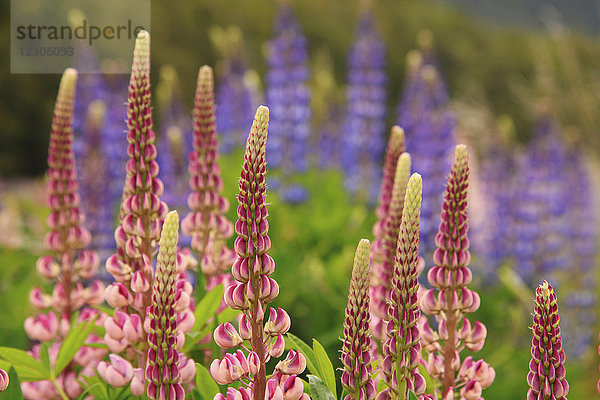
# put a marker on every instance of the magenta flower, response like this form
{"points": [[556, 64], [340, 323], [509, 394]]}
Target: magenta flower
{"points": [[117, 373], [450, 299], [162, 370], [253, 290], [206, 223], [4, 381], [357, 373], [547, 374], [402, 349]]}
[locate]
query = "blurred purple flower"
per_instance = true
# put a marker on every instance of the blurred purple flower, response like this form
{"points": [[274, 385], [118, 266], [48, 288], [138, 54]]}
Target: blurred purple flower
{"points": [[364, 127]]}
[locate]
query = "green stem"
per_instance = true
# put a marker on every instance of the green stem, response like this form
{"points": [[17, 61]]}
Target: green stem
{"points": [[62, 393]]}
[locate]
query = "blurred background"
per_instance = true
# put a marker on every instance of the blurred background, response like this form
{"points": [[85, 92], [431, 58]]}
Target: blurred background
{"points": [[518, 82]]}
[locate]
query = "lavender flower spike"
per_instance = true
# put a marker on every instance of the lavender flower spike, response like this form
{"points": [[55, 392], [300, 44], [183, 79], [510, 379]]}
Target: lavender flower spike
{"points": [[449, 277], [546, 377], [384, 249], [206, 222], [162, 370], [356, 357], [403, 349]]}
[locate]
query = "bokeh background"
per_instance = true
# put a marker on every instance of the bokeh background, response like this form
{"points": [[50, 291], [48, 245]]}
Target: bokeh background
{"points": [[519, 82]]}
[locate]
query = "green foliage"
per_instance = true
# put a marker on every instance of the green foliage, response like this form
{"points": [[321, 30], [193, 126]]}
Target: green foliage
{"points": [[317, 361], [318, 389], [73, 342], [27, 367], [13, 391], [205, 384]]}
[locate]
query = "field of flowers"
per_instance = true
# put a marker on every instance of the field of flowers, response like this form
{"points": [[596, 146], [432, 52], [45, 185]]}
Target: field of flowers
{"points": [[279, 236]]}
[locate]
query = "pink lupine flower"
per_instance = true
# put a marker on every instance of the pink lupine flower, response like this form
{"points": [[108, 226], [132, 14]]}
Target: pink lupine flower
{"points": [[138, 382], [254, 288], [206, 223], [356, 358], [42, 327], [39, 390], [547, 373], [162, 370], [450, 299], [402, 350], [384, 249], [116, 373]]}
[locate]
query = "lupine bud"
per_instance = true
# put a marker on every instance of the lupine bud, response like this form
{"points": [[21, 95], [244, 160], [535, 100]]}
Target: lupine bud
{"points": [[42, 327], [403, 348], [162, 370], [206, 223], [383, 249], [547, 374], [449, 277], [116, 373], [294, 363], [227, 337], [357, 341]]}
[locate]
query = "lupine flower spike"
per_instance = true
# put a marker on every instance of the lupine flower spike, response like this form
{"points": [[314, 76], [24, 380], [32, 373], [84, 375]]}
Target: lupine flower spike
{"points": [[386, 234], [206, 222], [356, 357], [137, 235], [68, 263], [450, 300], [252, 292], [162, 371], [402, 350], [547, 374]]}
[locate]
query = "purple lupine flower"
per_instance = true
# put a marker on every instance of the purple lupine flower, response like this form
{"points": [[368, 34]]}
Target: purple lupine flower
{"points": [[428, 124], [579, 289], [540, 225], [137, 235], [253, 290], [497, 175], [234, 98], [173, 143], [68, 263], [364, 127], [547, 373], [402, 349], [450, 299], [162, 370], [386, 230], [288, 96], [206, 223], [356, 357], [99, 149]]}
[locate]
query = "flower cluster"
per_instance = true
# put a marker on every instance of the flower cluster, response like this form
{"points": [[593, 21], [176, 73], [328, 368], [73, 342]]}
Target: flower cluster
{"points": [[424, 114], [68, 263], [547, 372], [288, 94], [402, 349], [391, 202], [206, 223], [450, 299], [137, 235], [356, 357], [253, 290], [364, 130]]}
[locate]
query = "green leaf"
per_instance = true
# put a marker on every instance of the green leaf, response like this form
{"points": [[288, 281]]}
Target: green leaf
{"points": [[27, 367], [96, 345], [412, 395], [71, 345], [227, 315], [311, 360], [196, 395], [205, 383], [207, 307], [325, 365], [318, 389], [96, 387], [13, 391]]}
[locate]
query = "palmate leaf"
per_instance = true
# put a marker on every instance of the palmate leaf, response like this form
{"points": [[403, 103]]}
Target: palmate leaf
{"points": [[70, 346], [207, 387], [27, 367], [318, 389], [412, 395], [325, 366], [207, 307]]}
